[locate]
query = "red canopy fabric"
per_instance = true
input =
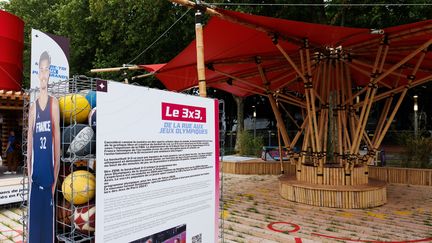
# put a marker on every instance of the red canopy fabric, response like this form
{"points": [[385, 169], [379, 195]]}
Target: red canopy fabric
{"points": [[234, 49], [11, 51]]}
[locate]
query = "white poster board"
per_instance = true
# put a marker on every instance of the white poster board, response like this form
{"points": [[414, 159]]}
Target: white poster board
{"points": [[57, 48], [157, 165], [11, 191]]}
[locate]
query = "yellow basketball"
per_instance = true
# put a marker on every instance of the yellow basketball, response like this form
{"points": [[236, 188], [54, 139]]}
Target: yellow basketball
{"points": [[74, 107], [79, 187]]}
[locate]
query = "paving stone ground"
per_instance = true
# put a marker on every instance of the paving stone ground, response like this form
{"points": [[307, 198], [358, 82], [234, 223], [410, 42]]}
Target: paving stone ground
{"points": [[254, 212], [11, 225]]}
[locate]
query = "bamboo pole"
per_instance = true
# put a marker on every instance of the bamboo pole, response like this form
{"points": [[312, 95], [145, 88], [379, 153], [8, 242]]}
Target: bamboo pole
{"points": [[398, 90], [280, 151], [312, 102], [351, 111], [298, 134], [213, 12], [396, 108], [248, 73], [367, 103], [306, 139], [249, 90], [323, 104], [358, 93], [280, 123], [290, 102], [395, 37], [291, 62], [404, 60], [326, 121], [143, 75], [382, 118], [356, 61], [289, 97], [339, 115], [344, 86], [199, 39], [115, 69], [362, 71], [240, 80], [302, 63], [308, 102], [279, 120], [290, 116]]}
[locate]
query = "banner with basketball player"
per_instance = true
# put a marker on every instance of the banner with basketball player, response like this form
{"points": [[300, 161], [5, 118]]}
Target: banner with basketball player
{"points": [[157, 178], [57, 50]]}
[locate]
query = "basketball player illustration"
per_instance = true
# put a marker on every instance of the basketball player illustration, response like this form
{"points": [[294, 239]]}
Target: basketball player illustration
{"points": [[43, 157]]}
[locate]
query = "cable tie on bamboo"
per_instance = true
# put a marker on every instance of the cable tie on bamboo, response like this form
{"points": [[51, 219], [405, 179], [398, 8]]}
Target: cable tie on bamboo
{"points": [[411, 77], [372, 85], [199, 13], [345, 156], [210, 66], [308, 85], [349, 57], [200, 7], [374, 75], [308, 76], [230, 81], [385, 40], [275, 38], [325, 106], [306, 43], [258, 60]]}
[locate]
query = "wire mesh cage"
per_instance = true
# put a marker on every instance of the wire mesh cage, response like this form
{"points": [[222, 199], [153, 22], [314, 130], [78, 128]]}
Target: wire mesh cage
{"points": [[74, 200]]}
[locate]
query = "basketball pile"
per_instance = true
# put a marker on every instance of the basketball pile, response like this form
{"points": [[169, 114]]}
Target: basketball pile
{"points": [[77, 179]]}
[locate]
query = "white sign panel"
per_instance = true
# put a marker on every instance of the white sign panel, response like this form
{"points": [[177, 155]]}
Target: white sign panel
{"points": [[157, 176], [11, 194], [52, 48]]}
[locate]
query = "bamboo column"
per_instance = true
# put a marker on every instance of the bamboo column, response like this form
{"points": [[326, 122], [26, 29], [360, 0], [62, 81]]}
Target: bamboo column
{"points": [[411, 78], [200, 51], [312, 104], [280, 152], [370, 93], [279, 120]]}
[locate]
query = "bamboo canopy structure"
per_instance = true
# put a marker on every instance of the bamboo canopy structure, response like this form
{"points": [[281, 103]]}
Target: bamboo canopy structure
{"points": [[333, 74]]}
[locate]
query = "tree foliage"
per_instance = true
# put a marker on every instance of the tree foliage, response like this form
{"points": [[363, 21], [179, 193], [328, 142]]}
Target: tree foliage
{"points": [[109, 33], [106, 33]]}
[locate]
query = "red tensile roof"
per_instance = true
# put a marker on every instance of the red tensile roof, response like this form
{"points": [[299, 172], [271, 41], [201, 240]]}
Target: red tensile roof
{"points": [[234, 49], [11, 51]]}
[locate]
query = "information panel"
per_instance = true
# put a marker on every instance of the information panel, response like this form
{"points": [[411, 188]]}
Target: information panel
{"points": [[11, 193], [157, 166]]}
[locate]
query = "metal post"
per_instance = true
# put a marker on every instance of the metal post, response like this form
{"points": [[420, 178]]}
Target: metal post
{"points": [[415, 116], [254, 121], [269, 138]]}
